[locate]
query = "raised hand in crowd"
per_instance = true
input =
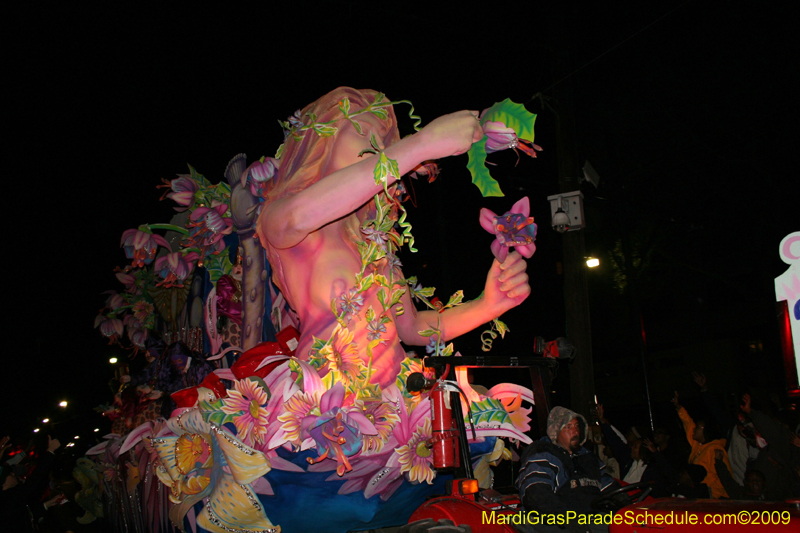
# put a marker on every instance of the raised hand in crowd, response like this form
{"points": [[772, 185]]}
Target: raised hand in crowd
{"points": [[52, 444], [647, 443], [675, 401], [746, 407], [701, 381], [601, 414]]}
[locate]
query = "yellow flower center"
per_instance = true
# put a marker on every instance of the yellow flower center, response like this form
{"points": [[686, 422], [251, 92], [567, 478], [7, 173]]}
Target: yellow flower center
{"points": [[254, 408], [423, 450]]}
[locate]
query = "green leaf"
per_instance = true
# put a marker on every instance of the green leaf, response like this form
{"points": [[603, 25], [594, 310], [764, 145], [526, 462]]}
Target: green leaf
{"points": [[455, 299], [488, 411], [344, 105], [514, 116], [427, 292], [366, 283], [501, 327], [428, 332], [370, 314], [382, 299], [325, 130], [397, 295], [480, 174], [218, 265], [356, 126], [384, 168], [380, 112]]}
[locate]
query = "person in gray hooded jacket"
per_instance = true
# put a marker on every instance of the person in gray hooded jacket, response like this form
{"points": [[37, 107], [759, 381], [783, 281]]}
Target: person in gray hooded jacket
{"points": [[558, 474]]}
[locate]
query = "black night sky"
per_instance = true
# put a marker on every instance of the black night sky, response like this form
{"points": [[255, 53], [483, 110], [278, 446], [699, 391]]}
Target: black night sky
{"points": [[687, 111]]}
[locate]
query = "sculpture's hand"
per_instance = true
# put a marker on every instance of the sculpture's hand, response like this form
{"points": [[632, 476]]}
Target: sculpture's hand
{"points": [[451, 134], [507, 284]]}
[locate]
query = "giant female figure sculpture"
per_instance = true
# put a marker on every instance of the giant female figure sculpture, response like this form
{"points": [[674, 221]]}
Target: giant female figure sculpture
{"points": [[311, 227], [333, 428]]}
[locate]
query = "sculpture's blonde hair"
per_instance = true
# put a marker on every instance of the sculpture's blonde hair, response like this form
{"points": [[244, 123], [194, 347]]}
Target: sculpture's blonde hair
{"points": [[305, 161]]}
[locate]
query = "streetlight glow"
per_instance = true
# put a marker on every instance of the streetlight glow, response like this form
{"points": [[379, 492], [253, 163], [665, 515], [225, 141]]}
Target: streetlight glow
{"points": [[62, 404], [45, 420], [592, 262], [113, 360], [96, 430], [36, 430]]}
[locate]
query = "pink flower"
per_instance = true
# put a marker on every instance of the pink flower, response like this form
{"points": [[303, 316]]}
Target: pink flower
{"points": [[259, 174], [296, 409], [499, 137], [138, 337], [248, 400], [342, 356], [141, 246], [174, 268], [142, 311], [114, 300], [514, 229], [109, 327], [183, 190], [207, 227], [416, 458], [129, 281]]}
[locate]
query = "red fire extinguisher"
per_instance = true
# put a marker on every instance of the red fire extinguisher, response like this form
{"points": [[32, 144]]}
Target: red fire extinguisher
{"points": [[444, 425], [445, 430]]}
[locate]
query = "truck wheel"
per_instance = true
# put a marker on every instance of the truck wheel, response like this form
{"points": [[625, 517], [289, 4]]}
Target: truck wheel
{"points": [[429, 525]]}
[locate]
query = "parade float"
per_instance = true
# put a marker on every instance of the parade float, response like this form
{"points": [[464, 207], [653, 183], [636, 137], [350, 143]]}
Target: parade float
{"points": [[262, 406]]}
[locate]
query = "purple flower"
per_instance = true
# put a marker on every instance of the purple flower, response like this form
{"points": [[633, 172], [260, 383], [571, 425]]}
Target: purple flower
{"points": [[129, 281], [211, 223], [114, 300], [259, 174], [515, 228], [499, 137], [183, 190], [138, 337], [109, 327], [378, 237], [207, 226], [141, 246], [174, 268], [352, 301], [375, 328], [432, 345], [337, 432]]}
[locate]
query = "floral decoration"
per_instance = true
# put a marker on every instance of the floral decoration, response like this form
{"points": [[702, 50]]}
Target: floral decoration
{"points": [[513, 229]]}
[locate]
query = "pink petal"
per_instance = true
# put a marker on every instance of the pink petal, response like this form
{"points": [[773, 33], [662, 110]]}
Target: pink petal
{"points": [[332, 398], [487, 220], [499, 251], [364, 425], [522, 207], [526, 250]]}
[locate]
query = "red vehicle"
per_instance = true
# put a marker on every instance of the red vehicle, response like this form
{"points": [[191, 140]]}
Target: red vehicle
{"points": [[466, 508]]}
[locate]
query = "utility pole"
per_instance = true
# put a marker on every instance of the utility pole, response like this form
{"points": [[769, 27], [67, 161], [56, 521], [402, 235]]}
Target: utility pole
{"points": [[576, 294]]}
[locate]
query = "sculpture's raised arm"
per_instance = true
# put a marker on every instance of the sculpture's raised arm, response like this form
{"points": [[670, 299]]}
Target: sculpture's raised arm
{"points": [[348, 181]]}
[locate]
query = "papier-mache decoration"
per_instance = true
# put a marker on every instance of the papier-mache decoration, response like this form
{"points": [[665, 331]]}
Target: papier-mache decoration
{"points": [[277, 433], [505, 125], [787, 288], [514, 229]]}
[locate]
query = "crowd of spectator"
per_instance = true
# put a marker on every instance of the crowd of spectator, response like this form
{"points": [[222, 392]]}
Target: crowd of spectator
{"points": [[34, 481], [738, 453]]}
